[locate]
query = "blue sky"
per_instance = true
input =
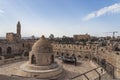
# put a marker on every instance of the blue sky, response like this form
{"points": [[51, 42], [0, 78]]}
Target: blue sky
{"points": [[60, 17]]}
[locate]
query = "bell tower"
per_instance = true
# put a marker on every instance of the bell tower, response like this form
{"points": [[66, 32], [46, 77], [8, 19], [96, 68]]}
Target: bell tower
{"points": [[19, 30]]}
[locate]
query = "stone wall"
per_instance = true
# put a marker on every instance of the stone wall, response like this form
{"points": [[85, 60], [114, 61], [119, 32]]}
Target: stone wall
{"points": [[91, 52], [4, 61], [15, 47]]}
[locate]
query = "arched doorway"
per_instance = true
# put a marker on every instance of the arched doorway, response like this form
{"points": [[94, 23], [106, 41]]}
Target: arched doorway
{"points": [[0, 51], [67, 55], [33, 59], [52, 59], [57, 54], [94, 59], [9, 50], [103, 63], [73, 56], [62, 54], [86, 57], [79, 57]]}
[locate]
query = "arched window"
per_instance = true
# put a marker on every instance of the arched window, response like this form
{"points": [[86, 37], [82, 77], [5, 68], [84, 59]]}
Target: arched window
{"points": [[33, 60], [79, 56], [23, 45], [28, 46], [26, 54], [58, 54], [101, 49], [67, 55], [9, 50], [0, 51], [93, 48]]}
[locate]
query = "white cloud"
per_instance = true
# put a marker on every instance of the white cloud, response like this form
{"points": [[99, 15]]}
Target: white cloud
{"points": [[115, 8], [1, 12]]}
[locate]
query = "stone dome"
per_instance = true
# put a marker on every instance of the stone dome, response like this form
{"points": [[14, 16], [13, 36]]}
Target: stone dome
{"points": [[41, 54], [41, 62], [42, 46]]}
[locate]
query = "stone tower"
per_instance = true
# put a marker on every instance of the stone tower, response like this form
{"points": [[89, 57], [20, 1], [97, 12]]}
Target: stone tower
{"points": [[19, 30]]}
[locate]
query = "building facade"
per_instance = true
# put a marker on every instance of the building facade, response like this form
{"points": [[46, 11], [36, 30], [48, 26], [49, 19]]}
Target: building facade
{"points": [[14, 45], [105, 56], [81, 37]]}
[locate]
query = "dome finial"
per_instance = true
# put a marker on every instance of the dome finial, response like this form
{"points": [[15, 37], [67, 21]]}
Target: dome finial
{"points": [[42, 36]]}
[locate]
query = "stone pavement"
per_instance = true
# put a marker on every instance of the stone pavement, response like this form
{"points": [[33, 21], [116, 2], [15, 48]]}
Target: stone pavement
{"points": [[70, 70]]}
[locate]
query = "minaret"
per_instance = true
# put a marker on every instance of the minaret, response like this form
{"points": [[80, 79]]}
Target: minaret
{"points": [[19, 29]]}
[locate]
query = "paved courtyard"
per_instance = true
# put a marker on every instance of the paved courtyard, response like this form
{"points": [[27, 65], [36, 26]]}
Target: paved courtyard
{"points": [[70, 69]]}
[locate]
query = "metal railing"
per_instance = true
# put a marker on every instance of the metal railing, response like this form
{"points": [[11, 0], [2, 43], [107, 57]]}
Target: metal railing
{"points": [[84, 74]]}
